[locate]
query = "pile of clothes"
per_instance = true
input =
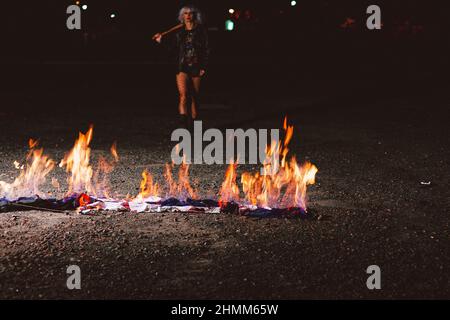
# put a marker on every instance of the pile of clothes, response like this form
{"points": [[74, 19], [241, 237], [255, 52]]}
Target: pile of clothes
{"points": [[86, 204]]}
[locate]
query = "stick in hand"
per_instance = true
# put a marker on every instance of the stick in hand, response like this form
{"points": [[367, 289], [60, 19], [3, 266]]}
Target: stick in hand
{"points": [[157, 37]]}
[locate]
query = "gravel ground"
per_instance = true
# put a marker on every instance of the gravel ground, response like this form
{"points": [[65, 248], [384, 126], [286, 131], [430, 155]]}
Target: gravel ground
{"points": [[368, 202]]}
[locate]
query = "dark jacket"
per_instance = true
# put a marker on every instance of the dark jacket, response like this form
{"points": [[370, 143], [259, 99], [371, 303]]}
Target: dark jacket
{"points": [[175, 43]]}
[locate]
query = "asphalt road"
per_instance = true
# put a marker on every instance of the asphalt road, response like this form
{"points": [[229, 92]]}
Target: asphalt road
{"points": [[368, 200]]}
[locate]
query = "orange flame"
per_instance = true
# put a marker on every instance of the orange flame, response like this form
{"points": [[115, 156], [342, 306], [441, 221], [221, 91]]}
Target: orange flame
{"points": [[279, 184], [182, 187], [229, 190], [32, 143], [284, 187], [84, 200], [32, 175], [77, 163], [101, 175], [114, 151], [82, 177], [148, 188], [100, 178]]}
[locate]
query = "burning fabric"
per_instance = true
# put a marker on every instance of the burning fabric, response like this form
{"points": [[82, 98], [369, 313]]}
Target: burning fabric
{"points": [[85, 204], [265, 194]]}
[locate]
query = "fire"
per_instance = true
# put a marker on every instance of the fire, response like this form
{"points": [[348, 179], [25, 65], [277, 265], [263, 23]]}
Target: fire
{"points": [[229, 190], [82, 177], [114, 151], [181, 188], [148, 187], [83, 199], [101, 175], [289, 133], [77, 164], [276, 187], [280, 184], [100, 178], [252, 187], [32, 143], [32, 175]]}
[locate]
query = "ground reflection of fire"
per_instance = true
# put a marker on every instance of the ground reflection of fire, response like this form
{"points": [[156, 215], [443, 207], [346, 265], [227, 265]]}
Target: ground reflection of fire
{"points": [[274, 188]]}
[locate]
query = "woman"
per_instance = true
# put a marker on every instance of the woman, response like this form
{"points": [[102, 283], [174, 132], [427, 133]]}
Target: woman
{"points": [[192, 50]]}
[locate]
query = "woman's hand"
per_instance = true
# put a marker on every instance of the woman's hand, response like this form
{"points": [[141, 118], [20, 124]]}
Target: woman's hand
{"points": [[202, 72], [157, 37]]}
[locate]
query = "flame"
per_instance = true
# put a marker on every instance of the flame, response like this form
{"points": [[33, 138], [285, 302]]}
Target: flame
{"points": [[84, 200], [279, 184], [229, 190], [114, 151], [148, 188], [250, 187], [101, 175], [181, 188], [283, 186], [100, 178], [77, 164], [82, 177], [32, 143], [32, 175]]}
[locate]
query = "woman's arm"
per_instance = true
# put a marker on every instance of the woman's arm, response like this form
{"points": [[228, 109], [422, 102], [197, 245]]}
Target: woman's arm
{"points": [[158, 36]]}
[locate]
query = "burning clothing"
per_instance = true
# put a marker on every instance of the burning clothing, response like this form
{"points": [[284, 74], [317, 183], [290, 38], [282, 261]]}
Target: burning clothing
{"points": [[280, 193], [85, 204]]}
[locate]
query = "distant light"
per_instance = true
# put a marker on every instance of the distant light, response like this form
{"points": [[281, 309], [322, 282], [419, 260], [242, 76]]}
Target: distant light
{"points": [[113, 15], [231, 11], [229, 25], [293, 3], [84, 7], [77, 2]]}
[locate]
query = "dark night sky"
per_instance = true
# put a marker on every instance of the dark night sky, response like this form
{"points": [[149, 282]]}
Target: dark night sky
{"points": [[37, 28]]}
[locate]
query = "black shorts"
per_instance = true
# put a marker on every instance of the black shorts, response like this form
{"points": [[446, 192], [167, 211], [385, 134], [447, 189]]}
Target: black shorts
{"points": [[192, 70]]}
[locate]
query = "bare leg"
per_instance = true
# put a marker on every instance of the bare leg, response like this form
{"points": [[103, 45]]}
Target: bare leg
{"points": [[182, 84], [195, 96]]}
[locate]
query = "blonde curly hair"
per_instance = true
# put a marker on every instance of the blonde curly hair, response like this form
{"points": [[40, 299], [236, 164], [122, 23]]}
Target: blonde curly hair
{"points": [[196, 13]]}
